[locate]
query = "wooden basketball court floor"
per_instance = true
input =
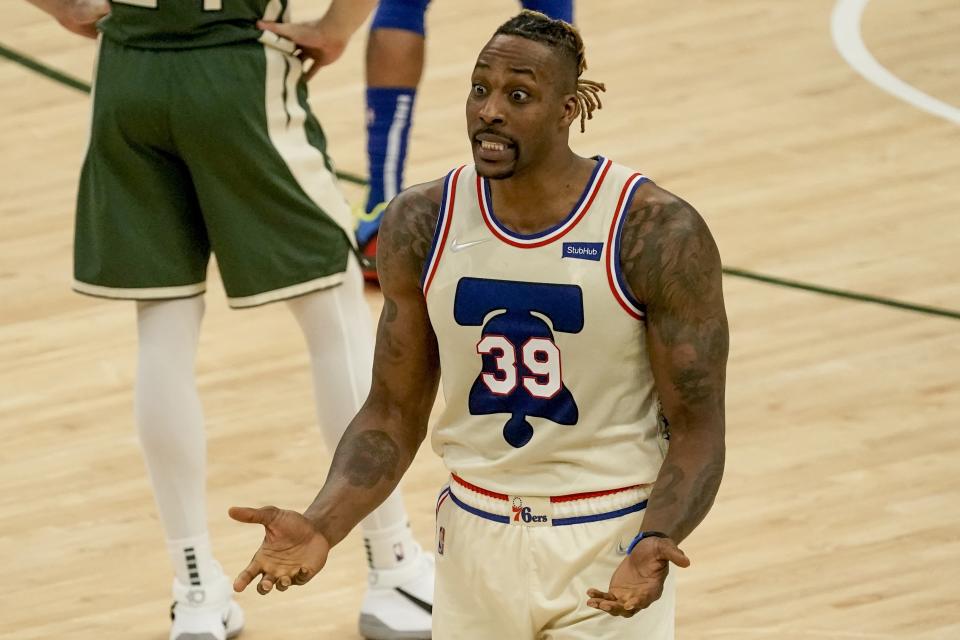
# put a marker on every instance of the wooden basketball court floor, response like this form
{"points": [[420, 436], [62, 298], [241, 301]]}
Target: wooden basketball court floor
{"points": [[839, 515]]}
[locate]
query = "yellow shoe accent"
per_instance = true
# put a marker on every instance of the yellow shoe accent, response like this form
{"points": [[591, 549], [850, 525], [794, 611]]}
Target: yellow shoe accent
{"points": [[362, 216]]}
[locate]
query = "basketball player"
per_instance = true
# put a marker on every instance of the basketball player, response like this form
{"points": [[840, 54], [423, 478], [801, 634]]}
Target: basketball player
{"points": [[202, 139], [576, 311], [395, 55]]}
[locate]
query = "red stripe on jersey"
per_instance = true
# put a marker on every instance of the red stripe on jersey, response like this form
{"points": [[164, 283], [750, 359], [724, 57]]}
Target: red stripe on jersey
{"points": [[613, 252], [554, 235], [447, 214]]}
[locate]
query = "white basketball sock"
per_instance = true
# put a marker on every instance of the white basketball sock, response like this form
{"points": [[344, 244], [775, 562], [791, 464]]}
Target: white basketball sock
{"points": [[170, 425], [339, 333], [193, 561], [390, 547]]}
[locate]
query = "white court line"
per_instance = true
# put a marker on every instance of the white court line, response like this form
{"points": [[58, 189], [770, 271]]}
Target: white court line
{"points": [[845, 28]]}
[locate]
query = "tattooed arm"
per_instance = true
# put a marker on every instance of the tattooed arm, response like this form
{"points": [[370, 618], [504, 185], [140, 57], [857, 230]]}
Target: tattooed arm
{"points": [[383, 438], [381, 441], [672, 266]]}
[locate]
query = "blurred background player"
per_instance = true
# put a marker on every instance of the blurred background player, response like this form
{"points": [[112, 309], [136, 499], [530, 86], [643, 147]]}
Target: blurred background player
{"points": [[202, 139], [395, 59]]}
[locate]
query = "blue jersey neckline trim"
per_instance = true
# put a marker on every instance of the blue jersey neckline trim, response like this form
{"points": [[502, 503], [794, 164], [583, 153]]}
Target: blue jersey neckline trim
{"points": [[534, 236]]}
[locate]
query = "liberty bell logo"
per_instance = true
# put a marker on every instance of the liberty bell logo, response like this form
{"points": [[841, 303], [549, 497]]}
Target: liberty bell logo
{"points": [[521, 371]]}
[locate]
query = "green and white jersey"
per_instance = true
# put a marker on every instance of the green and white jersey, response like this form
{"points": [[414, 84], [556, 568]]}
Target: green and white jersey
{"points": [[187, 24]]}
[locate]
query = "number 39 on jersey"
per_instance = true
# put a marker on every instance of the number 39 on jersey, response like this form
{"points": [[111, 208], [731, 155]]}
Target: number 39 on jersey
{"points": [[521, 366]]}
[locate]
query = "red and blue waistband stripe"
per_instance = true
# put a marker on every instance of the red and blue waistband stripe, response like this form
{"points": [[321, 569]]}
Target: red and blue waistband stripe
{"points": [[564, 498], [557, 522], [479, 512], [596, 517]]}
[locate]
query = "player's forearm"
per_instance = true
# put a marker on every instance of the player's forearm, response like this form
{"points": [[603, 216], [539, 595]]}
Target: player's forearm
{"points": [[348, 15], [372, 456], [687, 483], [59, 9], [78, 16]]}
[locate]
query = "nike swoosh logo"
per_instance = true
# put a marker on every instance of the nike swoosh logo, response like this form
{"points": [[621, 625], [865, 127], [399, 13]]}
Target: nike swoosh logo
{"points": [[621, 550], [455, 246], [426, 606]]}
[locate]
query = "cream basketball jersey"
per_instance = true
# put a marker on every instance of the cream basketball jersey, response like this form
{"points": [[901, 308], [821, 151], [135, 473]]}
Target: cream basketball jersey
{"points": [[544, 366]]}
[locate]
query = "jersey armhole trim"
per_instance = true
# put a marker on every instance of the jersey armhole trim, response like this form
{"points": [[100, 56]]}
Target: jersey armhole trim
{"points": [[618, 283], [442, 230]]}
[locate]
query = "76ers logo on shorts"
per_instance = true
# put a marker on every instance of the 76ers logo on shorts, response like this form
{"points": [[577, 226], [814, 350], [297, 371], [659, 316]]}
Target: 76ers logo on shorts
{"points": [[521, 370], [525, 514]]}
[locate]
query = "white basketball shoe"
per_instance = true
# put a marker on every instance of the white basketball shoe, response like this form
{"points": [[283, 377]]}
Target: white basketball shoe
{"points": [[398, 604], [205, 613]]}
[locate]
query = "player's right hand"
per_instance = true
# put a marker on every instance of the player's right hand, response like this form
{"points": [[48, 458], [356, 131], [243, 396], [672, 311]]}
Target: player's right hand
{"points": [[318, 43], [82, 16], [292, 551]]}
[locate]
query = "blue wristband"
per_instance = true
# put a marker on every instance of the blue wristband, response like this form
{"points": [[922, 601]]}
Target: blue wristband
{"points": [[645, 534]]}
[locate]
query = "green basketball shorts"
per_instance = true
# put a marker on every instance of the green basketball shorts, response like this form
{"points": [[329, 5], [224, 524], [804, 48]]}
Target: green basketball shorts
{"points": [[200, 150]]}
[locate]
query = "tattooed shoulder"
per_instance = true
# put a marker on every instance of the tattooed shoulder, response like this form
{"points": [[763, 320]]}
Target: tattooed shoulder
{"points": [[666, 247], [408, 228]]}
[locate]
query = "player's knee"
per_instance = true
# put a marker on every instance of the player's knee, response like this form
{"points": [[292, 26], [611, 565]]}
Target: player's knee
{"points": [[407, 15]]}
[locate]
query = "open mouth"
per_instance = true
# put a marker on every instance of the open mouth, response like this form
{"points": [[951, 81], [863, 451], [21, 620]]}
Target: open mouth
{"points": [[494, 148]]}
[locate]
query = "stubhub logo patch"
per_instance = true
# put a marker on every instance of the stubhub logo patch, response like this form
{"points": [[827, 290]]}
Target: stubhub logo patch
{"points": [[583, 250]]}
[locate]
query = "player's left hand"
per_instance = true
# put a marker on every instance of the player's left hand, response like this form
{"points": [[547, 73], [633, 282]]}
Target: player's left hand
{"points": [[320, 42], [81, 17], [638, 581]]}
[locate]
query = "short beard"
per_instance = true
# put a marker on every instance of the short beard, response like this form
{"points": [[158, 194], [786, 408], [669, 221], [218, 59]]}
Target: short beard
{"points": [[502, 174], [508, 173]]}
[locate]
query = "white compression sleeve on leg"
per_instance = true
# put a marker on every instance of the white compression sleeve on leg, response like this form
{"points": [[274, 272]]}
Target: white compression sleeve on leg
{"points": [[170, 425], [339, 332]]}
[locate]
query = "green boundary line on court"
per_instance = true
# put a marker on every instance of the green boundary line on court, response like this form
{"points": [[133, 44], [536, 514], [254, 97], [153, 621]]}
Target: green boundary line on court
{"points": [[80, 85], [839, 293], [44, 70]]}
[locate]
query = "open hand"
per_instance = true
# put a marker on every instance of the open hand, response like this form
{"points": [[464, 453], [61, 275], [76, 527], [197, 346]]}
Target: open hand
{"points": [[292, 551], [318, 41], [638, 581]]}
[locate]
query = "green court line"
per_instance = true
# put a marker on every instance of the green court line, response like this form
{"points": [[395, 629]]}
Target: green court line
{"points": [[80, 85], [44, 70], [351, 177], [839, 293]]}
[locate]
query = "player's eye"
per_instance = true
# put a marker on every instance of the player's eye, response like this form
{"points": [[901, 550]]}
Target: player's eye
{"points": [[479, 90], [519, 95]]}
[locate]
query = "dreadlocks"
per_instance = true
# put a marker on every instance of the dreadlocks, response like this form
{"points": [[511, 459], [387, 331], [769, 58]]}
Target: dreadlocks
{"points": [[563, 37]]}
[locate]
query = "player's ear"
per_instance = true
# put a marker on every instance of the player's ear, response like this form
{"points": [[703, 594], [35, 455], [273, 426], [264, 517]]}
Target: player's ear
{"points": [[571, 109]]}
